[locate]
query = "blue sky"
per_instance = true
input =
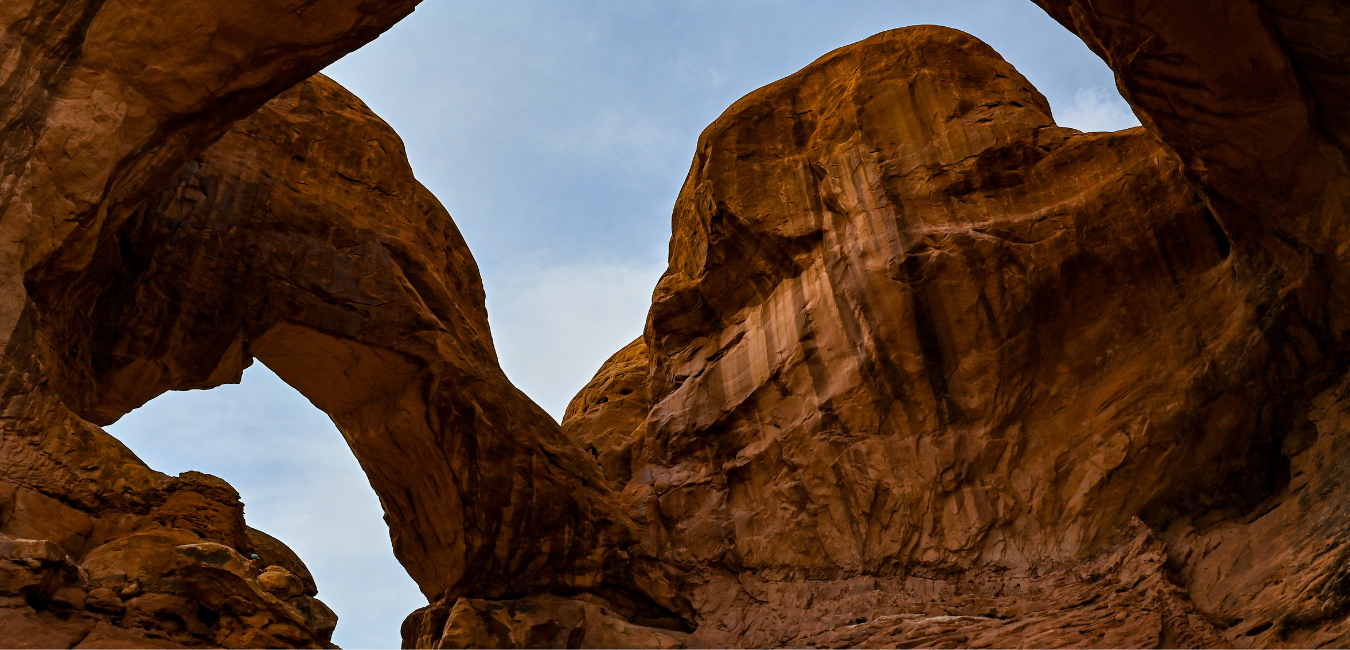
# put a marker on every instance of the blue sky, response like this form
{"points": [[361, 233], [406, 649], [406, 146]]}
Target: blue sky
{"points": [[558, 135]]}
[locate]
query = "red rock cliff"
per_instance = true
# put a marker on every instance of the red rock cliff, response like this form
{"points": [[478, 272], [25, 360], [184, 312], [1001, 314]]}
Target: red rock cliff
{"points": [[918, 345], [918, 348]]}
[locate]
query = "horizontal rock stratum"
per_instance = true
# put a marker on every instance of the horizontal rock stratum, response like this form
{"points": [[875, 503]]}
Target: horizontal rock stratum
{"points": [[926, 369]]}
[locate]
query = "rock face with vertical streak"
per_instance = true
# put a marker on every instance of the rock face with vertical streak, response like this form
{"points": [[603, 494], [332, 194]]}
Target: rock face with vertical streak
{"points": [[918, 349]]}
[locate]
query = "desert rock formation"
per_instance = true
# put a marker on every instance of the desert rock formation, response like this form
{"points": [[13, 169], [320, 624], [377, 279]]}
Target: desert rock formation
{"points": [[916, 344], [915, 341], [926, 369], [1254, 106], [349, 279], [104, 102]]}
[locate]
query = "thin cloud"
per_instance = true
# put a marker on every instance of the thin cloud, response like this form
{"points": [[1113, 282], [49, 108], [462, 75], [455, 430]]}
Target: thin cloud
{"points": [[1095, 109], [554, 327]]}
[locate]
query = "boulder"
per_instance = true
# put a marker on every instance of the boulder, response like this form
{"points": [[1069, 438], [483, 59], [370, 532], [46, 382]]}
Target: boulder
{"points": [[103, 599], [281, 583], [317, 615], [274, 551]]}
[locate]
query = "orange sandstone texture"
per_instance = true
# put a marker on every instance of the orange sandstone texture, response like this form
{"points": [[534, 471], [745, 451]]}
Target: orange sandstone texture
{"points": [[102, 103], [916, 343], [302, 238], [349, 279], [1253, 99], [921, 354]]}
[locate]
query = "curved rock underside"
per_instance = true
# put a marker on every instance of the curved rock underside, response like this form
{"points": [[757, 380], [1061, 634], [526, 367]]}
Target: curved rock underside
{"points": [[926, 369]]}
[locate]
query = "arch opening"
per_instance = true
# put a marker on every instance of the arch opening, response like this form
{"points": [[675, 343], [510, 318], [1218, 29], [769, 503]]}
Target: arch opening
{"points": [[299, 483]]}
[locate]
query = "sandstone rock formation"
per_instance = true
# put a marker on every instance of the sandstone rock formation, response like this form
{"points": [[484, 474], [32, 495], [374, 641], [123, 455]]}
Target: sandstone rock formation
{"points": [[601, 417], [349, 280], [300, 237], [167, 574], [917, 342], [1254, 106], [926, 369], [103, 102]]}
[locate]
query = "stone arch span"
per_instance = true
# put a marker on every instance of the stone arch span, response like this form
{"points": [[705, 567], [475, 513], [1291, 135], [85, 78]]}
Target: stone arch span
{"points": [[303, 240]]}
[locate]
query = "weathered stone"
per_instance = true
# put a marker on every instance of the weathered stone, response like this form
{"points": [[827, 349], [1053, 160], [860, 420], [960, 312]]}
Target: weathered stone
{"points": [[1255, 106], [69, 598], [602, 417], [107, 635], [103, 599], [33, 515], [280, 583], [102, 103], [926, 369], [317, 615], [888, 340], [273, 551], [535, 622], [23, 627], [350, 280], [911, 328]]}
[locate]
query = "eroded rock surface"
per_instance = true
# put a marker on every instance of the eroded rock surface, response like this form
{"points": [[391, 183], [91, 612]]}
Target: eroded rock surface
{"points": [[601, 416], [171, 574], [301, 238], [1255, 105], [915, 336], [350, 281], [102, 103]]}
